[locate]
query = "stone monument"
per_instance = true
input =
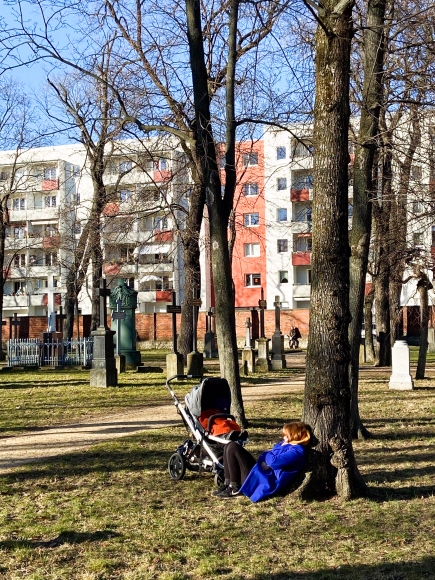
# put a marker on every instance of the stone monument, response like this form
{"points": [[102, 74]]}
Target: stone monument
{"points": [[103, 371], [248, 354], [210, 347], [278, 358], [128, 299], [195, 359], [119, 315], [262, 363], [400, 379], [174, 360]]}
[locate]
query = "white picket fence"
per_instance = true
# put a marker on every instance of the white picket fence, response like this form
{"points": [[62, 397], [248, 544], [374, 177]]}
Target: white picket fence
{"points": [[32, 351]]}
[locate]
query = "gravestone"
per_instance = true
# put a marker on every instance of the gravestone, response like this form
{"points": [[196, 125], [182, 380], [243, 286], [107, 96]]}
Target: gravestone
{"points": [[103, 371], [210, 347], [248, 354], [278, 358], [262, 363], [400, 379], [119, 315], [195, 359], [128, 298], [174, 360]]}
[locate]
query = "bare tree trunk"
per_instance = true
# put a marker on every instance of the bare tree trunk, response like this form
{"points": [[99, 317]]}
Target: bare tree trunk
{"points": [[218, 208], [363, 191], [423, 286], [327, 393], [369, 349]]}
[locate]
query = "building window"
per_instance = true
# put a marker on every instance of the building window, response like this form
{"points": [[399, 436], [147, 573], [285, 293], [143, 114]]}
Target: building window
{"points": [[222, 162], [125, 194], [282, 246], [417, 238], [417, 207], [251, 219], [161, 223], [77, 228], [19, 232], [252, 250], [50, 201], [50, 173], [303, 244], [50, 259], [416, 172], [50, 231], [19, 204], [280, 153], [250, 189], [303, 149], [19, 260], [250, 159], [76, 171], [124, 166], [282, 214], [303, 182], [283, 277], [253, 280], [281, 183], [162, 165]]}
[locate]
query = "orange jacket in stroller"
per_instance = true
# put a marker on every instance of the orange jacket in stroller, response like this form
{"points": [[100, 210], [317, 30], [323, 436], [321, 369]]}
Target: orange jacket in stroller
{"points": [[220, 425]]}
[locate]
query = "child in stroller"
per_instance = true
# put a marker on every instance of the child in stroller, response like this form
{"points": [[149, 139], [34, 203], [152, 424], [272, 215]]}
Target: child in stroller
{"points": [[206, 415]]}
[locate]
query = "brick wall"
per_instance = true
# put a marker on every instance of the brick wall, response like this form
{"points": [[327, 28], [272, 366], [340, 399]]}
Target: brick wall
{"points": [[158, 327]]}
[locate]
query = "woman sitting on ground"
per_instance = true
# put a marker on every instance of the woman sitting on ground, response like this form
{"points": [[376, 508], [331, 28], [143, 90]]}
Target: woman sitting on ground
{"points": [[273, 471]]}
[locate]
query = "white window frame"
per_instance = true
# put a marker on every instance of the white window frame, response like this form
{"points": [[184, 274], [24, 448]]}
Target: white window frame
{"points": [[252, 280], [280, 213], [280, 245], [251, 250], [281, 153], [250, 159], [281, 183], [251, 222], [250, 189]]}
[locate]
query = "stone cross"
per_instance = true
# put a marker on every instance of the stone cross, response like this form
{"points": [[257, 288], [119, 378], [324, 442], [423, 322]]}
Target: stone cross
{"points": [[262, 306], [118, 316], [51, 313], [61, 317], [277, 305], [15, 323], [248, 333], [103, 293]]}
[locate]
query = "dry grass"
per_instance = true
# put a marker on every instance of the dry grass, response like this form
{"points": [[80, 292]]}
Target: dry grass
{"points": [[114, 513]]}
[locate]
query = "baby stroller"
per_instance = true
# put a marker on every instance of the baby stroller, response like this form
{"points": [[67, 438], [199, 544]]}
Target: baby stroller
{"points": [[202, 451]]}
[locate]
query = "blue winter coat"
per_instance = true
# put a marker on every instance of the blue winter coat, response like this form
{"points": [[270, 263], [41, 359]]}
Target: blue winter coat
{"points": [[284, 463]]}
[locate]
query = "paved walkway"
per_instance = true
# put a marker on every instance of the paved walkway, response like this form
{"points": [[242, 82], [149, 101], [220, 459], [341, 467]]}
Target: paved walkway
{"points": [[43, 444]]}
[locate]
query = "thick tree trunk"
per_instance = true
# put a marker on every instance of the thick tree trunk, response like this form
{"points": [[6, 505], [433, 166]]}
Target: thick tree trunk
{"points": [[191, 254], [218, 208], [327, 394], [363, 191], [423, 286]]}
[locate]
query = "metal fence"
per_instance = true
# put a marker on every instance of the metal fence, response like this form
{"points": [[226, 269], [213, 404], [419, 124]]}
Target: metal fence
{"points": [[32, 351]]}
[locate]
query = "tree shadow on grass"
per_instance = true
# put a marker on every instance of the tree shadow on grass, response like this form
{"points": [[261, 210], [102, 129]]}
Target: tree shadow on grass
{"points": [[135, 453], [398, 571], [42, 385], [67, 537]]}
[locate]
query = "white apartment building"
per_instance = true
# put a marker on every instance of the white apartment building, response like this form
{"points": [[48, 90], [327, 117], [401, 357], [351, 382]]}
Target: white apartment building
{"points": [[50, 195]]}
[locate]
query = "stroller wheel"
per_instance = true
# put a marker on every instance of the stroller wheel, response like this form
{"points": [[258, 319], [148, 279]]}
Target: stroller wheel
{"points": [[219, 478], [177, 466]]}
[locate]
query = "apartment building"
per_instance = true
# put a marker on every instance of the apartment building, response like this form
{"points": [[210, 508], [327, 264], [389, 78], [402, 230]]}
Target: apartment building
{"points": [[50, 195]]}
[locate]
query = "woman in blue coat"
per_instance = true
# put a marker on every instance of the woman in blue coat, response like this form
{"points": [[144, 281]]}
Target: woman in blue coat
{"points": [[274, 470]]}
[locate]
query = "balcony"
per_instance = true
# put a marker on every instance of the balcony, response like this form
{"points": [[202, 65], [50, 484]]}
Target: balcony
{"points": [[302, 226], [49, 242], [301, 258], [301, 291], [163, 295], [49, 184], [163, 236], [162, 175], [304, 194]]}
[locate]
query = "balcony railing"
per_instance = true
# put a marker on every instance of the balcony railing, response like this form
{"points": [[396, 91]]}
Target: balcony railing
{"points": [[301, 258]]}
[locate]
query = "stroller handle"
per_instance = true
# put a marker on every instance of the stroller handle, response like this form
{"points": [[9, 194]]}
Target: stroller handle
{"points": [[174, 378]]}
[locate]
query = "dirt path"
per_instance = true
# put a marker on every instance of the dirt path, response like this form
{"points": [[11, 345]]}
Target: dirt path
{"points": [[42, 444]]}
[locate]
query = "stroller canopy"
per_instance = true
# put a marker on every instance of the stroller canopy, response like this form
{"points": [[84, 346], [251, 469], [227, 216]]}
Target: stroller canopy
{"points": [[212, 393]]}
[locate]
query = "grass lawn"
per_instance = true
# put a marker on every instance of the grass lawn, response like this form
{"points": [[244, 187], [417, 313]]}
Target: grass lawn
{"points": [[113, 512]]}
